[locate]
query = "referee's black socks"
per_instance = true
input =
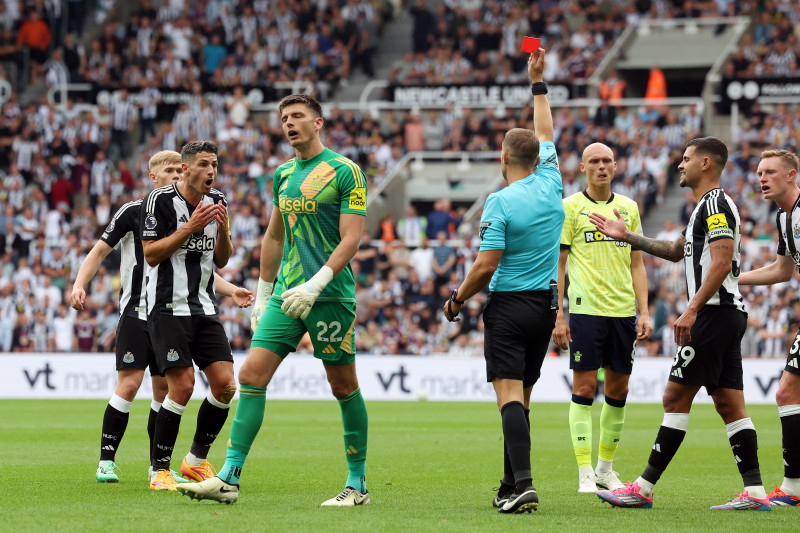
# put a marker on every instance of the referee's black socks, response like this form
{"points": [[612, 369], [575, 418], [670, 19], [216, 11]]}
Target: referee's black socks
{"points": [[508, 472], [518, 443]]}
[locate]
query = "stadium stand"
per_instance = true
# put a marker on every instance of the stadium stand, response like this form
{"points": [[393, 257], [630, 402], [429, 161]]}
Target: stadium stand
{"points": [[210, 69]]}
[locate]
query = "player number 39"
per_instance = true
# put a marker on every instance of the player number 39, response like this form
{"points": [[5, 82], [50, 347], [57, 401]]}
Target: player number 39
{"points": [[684, 352]]}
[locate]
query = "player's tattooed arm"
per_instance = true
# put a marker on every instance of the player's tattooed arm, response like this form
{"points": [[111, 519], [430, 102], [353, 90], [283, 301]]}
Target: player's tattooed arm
{"points": [[671, 251]]}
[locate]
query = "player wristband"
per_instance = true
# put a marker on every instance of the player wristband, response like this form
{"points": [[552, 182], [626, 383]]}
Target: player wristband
{"points": [[453, 298], [539, 87]]}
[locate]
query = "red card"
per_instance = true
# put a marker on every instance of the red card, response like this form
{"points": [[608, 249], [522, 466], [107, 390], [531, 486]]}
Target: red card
{"points": [[530, 44]]}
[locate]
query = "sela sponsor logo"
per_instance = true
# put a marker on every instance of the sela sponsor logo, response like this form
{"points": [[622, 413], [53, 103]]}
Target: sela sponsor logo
{"points": [[204, 243], [127, 358], [297, 204], [596, 236], [172, 355], [358, 198]]}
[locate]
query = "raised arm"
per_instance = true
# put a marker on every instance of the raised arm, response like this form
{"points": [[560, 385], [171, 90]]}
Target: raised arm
{"points": [[542, 116]]}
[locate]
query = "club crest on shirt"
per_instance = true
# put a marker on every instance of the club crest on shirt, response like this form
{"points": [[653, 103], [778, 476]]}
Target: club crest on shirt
{"points": [[796, 229]]}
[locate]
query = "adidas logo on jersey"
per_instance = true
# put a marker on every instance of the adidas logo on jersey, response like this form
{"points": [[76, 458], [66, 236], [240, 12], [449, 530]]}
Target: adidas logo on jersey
{"points": [[127, 358], [199, 244], [183, 219]]}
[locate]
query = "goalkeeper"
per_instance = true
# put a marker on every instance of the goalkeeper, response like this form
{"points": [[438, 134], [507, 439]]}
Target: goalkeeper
{"points": [[321, 200]]}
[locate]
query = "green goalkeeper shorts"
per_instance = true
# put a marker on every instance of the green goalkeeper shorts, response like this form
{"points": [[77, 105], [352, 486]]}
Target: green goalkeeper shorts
{"points": [[330, 325]]}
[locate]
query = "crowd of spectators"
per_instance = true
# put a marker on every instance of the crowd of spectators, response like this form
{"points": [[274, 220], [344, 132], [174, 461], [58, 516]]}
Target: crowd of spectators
{"points": [[65, 170], [772, 45]]}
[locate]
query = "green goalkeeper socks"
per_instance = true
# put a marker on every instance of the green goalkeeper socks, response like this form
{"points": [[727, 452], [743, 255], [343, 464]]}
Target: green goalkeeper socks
{"points": [[355, 423], [245, 426]]}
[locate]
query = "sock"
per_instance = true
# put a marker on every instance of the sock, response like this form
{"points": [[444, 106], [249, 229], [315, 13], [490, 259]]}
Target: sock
{"points": [[508, 473], [790, 429], [210, 419], [744, 444], [151, 423], [245, 426], [612, 418], [115, 421], [168, 422], [669, 439], [355, 424], [580, 428], [518, 443]]}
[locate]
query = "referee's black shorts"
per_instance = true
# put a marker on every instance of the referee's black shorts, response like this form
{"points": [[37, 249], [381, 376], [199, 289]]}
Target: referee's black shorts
{"points": [[518, 330]]}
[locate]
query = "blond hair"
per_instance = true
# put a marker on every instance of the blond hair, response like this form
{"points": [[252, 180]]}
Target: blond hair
{"points": [[163, 158], [789, 158]]}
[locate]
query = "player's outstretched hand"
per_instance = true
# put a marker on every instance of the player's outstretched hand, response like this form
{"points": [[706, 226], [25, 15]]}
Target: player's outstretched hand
{"points": [[536, 65], [263, 292], [77, 299], [561, 333], [297, 302], [202, 216], [242, 297], [616, 229]]}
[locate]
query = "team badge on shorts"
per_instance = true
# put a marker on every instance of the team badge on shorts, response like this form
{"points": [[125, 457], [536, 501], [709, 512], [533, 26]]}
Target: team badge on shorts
{"points": [[577, 356], [172, 355], [127, 358]]}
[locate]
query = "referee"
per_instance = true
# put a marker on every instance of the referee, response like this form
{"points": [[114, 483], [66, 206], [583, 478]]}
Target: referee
{"points": [[520, 232]]}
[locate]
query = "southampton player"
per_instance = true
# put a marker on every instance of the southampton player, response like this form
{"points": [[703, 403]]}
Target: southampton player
{"points": [[777, 173], [133, 349], [520, 229], [321, 200], [708, 333], [606, 281], [184, 229]]}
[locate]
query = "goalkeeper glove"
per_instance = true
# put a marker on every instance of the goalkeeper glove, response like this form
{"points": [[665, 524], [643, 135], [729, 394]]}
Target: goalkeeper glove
{"points": [[297, 302], [262, 297]]}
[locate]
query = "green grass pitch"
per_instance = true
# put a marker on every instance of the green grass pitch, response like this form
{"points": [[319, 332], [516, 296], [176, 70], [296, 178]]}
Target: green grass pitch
{"points": [[430, 467]]}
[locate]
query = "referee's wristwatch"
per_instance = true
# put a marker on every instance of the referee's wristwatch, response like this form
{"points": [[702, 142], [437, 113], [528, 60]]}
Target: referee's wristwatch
{"points": [[453, 297]]}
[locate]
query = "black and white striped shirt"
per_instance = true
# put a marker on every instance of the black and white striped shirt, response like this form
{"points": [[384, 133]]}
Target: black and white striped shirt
{"points": [[122, 111], [123, 230], [182, 285], [715, 217], [789, 233]]}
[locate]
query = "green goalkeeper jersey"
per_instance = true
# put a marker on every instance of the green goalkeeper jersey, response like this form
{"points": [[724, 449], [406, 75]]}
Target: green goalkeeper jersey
{"points": [[311, 194]]}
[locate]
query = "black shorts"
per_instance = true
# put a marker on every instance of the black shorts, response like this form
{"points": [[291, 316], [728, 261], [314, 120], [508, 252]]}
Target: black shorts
{"points": [[134, 349], [714, 356], [180, 340], [518, 330], [601, 341], [793, 359]]}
